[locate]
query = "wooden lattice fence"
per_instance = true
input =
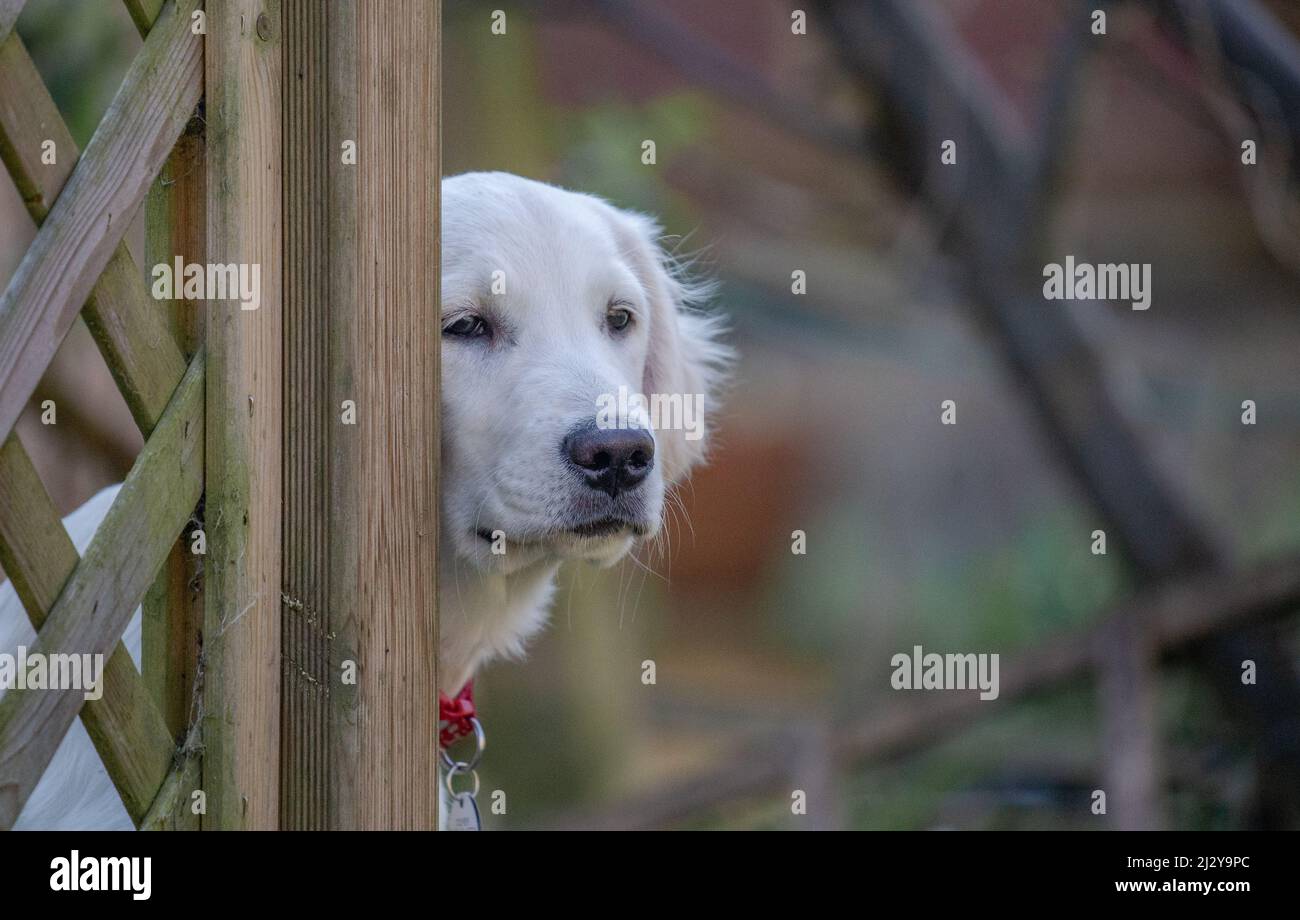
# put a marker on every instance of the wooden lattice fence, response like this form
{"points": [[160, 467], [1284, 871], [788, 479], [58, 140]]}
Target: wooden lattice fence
{"points": [[319, 549]]}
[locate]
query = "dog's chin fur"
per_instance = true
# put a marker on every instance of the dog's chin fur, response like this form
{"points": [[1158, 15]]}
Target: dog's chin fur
{"points": [[476, 555], [490, 606]]}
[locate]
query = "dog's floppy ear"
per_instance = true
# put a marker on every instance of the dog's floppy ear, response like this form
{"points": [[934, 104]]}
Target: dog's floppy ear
{"points": [[686, 356]]}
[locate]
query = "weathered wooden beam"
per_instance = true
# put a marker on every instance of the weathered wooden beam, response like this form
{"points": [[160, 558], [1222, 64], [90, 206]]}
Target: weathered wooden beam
{"points": [[38, 557], [132, 333], [173, 608], [360, 508], [317, 198], [28, 120], [175, 222], [78, 238], [134, 337], [172, 807], [176, 225], [394, 370], [171, 634], [241, 634], [99, 599], [35, 550], [131, 737], [121, 316]]}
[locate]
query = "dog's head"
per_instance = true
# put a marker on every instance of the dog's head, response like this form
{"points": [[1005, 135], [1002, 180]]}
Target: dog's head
{"points": [[576, 377]]}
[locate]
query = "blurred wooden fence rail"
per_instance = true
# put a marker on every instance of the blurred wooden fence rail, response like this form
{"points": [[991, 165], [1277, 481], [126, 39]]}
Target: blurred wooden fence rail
{"points": [[272, 430]]}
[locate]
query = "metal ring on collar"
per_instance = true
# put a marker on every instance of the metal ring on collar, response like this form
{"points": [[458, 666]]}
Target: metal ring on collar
{"points": [[480, 742], [455, 770]]}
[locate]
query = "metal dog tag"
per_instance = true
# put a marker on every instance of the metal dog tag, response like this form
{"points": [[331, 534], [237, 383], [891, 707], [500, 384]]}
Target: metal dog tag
{"points": [[463, 814]]}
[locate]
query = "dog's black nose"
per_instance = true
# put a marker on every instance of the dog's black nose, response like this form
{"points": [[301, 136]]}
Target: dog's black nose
{"points": [[612, 460]]}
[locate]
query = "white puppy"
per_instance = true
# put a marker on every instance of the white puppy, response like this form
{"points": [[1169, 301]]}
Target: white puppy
{"points": [[556, 306], [553, 303]]}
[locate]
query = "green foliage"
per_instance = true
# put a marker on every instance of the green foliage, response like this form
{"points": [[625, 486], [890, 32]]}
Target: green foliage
{"points": [[82, 51], [1045, 580], [603, 151]]}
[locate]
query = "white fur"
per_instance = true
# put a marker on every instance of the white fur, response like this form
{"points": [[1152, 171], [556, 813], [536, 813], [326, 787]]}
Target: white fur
{"points": [[75, 792], [506, 407]]}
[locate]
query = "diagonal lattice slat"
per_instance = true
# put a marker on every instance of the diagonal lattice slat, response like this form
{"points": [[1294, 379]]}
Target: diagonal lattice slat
{"points": [[128, 326], [131, 332], [99, 599], [35, 551], [25, 125], [125, 725], [78, 238]]}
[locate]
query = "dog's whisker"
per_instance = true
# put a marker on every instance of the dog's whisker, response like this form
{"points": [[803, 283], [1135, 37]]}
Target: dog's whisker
{"points": [[648, 569], [568, 601], [636, 604]]}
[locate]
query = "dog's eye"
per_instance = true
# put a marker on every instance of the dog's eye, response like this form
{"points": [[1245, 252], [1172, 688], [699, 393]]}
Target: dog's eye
{"points": [[468, 327], [618, 318]]}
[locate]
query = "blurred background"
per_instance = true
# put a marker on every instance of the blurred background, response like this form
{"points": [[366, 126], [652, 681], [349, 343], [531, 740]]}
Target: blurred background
{"points": [[812, 144], [820, 152]]}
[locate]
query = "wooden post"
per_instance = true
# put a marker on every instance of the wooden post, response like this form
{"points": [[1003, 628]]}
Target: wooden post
{"points": [[172, 622], [360, 444], [173, 608], [241, 629]]}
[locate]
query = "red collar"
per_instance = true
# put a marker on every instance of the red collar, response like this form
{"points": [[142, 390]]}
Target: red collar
{"points": [[455, 716]]}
